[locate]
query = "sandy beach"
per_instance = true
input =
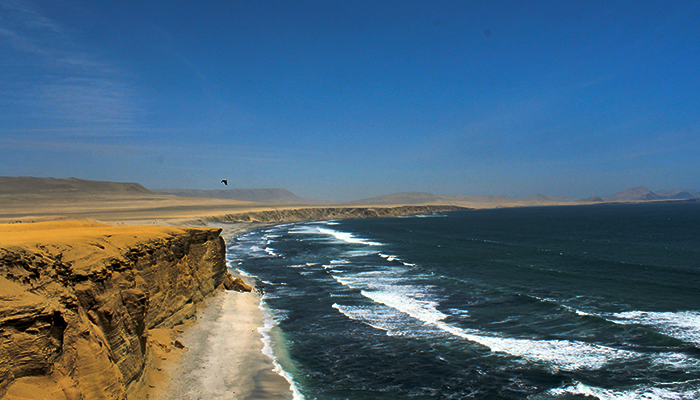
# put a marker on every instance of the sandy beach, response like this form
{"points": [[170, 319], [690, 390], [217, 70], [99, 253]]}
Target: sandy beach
{"points": [[223, 355]]}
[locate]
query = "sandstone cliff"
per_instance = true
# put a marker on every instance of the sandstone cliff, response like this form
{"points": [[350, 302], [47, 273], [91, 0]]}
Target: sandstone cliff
{"points": [[322, 213], [77, 302]]}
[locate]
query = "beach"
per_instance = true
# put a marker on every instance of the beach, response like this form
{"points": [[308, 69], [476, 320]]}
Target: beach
{"points": [[214, 350], [517, 303], [223, 355], [121, 251], [101, 236]]}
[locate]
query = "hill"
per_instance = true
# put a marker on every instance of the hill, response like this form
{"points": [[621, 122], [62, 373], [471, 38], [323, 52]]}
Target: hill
{"points": [[278, 196], [469, 201], [641, 193], [638, 193], [31, 185], [679, 194], [635, 193]]}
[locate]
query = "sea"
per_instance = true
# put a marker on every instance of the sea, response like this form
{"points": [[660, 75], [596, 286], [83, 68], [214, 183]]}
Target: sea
{"points": [[567, 302]]}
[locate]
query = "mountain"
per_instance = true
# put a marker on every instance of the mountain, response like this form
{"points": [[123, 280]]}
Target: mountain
{"points": [[253, 195], [638, 193], [594, 199], [470, 201], [641, 193], [679, 194], [31, 185], [635, 193]]}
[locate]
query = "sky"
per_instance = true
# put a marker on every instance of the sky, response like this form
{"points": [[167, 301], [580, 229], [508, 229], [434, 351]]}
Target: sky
{"points": [[348, 99]]}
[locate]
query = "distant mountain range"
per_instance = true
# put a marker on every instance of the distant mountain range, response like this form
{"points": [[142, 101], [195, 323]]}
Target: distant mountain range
{"points": [[425, 198], [10, 186], [634, 194], [642, 193]]}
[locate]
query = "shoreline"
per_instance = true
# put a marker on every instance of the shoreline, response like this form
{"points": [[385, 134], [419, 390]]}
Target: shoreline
{"points": [[226, 355], [223, 355], [252, 372]]}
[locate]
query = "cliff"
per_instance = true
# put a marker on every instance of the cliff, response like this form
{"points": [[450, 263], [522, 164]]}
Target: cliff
{"points": [[78, 301], [322, 213]]}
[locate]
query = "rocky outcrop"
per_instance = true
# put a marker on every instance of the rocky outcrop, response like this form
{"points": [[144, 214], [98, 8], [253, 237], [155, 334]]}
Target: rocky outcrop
{"points": [[321, 213], [75, 313], [237, 284]]}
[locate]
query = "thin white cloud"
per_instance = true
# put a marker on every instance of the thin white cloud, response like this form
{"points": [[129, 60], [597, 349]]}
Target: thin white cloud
{"points": [[54, 81], [89, 101]]}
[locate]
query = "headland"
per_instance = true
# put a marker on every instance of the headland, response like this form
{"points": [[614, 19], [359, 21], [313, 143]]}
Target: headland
{"points": [[101, 285]]}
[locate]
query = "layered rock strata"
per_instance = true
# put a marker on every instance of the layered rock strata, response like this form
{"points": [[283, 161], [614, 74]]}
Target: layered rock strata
{"points": [[77, 302]]}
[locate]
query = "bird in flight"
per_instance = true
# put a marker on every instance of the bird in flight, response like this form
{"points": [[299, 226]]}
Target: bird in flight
{"points": [[224, 181]]}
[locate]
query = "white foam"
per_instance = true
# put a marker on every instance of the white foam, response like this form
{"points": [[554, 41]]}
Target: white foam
{"points": [[388, 257], [244, 273], [303, 230], [269, 323], [563, 306], [371, 279], [683, 325], [392, 258], [563, 354], [417, 303], [670, 391], [423, 310], [271, 252], [364, 315], [347, 237], [335, 263]]}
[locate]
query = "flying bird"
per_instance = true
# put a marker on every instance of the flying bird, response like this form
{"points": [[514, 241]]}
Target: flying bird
{"points": [[224, 181]]}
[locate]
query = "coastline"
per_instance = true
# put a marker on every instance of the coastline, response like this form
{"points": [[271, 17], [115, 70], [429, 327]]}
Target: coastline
{"points": [[223, 348], [82, 306], [164, 350], [226, 355], [223, 355]]}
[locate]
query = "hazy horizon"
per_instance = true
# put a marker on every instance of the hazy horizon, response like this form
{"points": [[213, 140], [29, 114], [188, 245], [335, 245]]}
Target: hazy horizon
{"points": [[346, 100]]}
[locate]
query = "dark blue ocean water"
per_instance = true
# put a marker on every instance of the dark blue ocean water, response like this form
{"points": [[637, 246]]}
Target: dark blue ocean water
{"points": [[521, 303]]}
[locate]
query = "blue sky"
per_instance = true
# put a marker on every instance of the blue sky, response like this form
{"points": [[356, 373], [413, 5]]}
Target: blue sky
{"points": [[348, 99]]}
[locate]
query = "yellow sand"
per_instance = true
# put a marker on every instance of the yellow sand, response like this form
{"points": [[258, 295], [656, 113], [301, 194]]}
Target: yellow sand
{"points": [[250, 371]]}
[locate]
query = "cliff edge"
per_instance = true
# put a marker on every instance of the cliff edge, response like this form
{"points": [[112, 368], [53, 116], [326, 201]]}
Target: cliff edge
{"points": [[78, 300]]}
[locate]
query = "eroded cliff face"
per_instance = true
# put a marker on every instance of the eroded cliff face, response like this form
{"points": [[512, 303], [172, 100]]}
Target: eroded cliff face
{"points": [[76, 307]]}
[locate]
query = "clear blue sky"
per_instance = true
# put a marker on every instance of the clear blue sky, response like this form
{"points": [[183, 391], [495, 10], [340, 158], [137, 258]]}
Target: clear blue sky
{"points": [[350, 99]]}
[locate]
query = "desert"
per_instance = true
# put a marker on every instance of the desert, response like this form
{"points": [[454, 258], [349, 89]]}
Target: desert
{"points": [[110, 290], [102, 283]]}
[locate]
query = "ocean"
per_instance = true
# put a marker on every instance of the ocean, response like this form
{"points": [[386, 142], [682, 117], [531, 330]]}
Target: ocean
{"points": [[519, 303]]}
